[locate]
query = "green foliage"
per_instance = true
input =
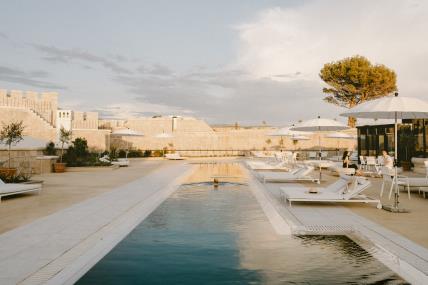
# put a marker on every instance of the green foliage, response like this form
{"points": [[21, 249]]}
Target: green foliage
{"points": [[15, 179], [354, 80], [11, 134], [50, 149], [135, 153], [122, 153], [78, 153], [64, 138], [147, 153]]}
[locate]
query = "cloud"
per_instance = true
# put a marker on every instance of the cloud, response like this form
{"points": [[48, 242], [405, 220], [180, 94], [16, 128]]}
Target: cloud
{"points": [[55, 54], [3, 36], [300, 40], [30, 78], [155, 70], [136, 110]]}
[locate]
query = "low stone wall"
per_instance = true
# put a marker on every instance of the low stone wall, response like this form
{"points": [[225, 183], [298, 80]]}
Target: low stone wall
{"points": [[26, 161]]}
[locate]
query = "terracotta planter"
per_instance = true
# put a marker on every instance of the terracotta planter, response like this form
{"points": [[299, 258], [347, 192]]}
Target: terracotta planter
{"points": [[59, 167], [7, 172]]}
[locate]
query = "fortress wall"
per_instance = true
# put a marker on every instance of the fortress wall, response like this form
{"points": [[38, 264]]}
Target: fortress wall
{"points": [[44, 104], [98, 140], [229, 140], [34, 125], [85, 120], [154, 126]]}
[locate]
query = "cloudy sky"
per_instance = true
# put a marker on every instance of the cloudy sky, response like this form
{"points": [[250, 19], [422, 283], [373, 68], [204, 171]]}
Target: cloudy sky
{"points": [[223, 61]]}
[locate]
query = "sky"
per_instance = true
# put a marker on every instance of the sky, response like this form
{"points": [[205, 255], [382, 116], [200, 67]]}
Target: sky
{"points": [[222, 61]]}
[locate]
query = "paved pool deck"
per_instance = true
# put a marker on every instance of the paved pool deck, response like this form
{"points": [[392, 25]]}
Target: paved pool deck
{"points": [[364, 223]]}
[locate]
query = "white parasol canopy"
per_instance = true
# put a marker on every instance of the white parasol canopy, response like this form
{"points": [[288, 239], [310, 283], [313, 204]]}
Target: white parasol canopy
{"points": [[319, 125], [286, 132], [339, 135], [391, 107]]}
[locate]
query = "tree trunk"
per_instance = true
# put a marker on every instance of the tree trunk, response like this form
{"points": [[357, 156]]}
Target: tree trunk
{"points": [[352, 122], [62, 152], [9, 156]]}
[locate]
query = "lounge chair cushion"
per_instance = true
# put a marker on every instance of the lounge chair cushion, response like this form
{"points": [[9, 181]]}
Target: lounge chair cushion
{"points": [[16, 188]]}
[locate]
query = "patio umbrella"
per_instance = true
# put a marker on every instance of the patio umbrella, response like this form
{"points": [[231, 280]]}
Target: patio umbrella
{"points": [[340, 136], [126, 133], [296, 138], [288, 132], [319, 125], [391, 107]]}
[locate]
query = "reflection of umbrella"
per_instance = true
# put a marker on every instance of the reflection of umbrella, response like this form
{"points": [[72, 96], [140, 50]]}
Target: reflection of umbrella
{"points": [[340, 136], [391, 107], [126, 133], [319, 125]]}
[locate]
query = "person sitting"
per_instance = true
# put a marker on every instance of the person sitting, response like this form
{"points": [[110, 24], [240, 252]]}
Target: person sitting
{"points": [[347, 163], [388, 161]]}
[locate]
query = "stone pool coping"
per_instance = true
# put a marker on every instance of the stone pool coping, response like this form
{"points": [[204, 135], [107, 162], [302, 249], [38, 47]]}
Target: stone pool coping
{"points": [[60, 248]]}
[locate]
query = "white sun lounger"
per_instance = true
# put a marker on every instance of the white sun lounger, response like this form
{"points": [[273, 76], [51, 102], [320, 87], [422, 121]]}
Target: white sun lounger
{"points": [[337, 192], [298, 174], [173, 156], [17, 188], [121, 162], [262, 165]]}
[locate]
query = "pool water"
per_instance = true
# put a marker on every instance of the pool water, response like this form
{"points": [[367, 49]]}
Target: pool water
{"points": [[202, 235]]}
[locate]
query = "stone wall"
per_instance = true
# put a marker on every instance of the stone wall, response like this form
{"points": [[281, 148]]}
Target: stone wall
{"points": [[43, 104], [34, 125], [98, 140], [85, 120]]}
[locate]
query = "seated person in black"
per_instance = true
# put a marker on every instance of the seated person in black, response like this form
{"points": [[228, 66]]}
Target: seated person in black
{"points": [[347, 162]]}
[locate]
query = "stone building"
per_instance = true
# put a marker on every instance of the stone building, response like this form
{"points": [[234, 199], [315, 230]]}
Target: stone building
{"points": [[43, 119]]}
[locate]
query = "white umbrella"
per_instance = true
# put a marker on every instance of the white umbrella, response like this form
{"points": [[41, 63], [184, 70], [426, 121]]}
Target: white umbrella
{"points": [[340, 136], [319, 125], [126, 133], [286, 132], [391, 107]]}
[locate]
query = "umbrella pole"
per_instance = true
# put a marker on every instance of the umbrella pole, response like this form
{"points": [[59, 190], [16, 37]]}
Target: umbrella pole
{"points": [[319, 154], [394, 208]]}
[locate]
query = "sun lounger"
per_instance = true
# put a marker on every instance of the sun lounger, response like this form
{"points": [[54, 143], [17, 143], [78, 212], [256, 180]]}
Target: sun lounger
{"points": [[173, 156], [297, 174], [121, 162], [337, 192], [17, 188], [262, 165]]}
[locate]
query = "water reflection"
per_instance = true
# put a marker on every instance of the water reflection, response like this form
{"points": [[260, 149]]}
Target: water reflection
{"points": [[200, 236]]}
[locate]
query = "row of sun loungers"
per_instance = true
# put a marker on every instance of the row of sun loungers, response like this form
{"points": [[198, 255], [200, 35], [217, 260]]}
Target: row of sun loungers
{"points": [[346, 190], [17, 188], [297, 174]]}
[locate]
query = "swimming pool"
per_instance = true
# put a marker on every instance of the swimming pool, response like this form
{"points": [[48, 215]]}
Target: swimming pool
{"points": [[203, 235]]}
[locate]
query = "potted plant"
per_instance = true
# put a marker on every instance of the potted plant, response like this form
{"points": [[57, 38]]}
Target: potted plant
{"points": [[64, 138], [11, 134]]}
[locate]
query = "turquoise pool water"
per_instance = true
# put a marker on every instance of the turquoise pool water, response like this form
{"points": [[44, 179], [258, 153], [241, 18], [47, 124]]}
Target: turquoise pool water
{"points": [[205, 236]]}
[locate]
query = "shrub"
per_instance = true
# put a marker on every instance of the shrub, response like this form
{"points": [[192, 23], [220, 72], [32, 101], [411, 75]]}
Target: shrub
{"points": [[50, 149], [147, 153], [122, 153], [135, 153]]}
